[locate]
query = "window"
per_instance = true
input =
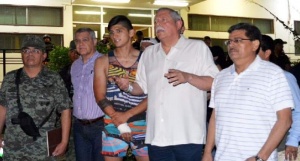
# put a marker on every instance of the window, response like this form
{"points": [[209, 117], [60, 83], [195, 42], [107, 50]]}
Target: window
{"points": [[12, 15], [198, 23], [222, 23], [86, 14], [42, 16], [134, 15], [297, 43], [31, 16], [14, 41]]}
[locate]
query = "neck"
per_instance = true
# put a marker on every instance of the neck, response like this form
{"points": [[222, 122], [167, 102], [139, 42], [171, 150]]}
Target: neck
{"points": [[32, 71], [167, 44], [86, 57], [124, 52], [241, 66]]}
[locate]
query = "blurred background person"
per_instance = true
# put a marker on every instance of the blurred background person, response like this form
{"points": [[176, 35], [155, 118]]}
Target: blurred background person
{"points": [[49, 46], [147, 42], [139, 37], [220, 57], [207, 41], [65, 72], [291, 140], [281, 59]]}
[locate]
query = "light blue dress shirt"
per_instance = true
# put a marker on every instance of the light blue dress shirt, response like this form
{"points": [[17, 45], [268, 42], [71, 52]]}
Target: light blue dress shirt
{"points": [[293, 137], [84, 102]]}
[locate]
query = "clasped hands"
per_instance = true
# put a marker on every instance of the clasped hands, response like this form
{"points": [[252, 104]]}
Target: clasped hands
{"points": [[119, 119]]}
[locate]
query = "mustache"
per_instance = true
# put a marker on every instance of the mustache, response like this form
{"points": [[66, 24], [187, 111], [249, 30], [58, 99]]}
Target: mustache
{"points": [[159, 28], [232, 49]]}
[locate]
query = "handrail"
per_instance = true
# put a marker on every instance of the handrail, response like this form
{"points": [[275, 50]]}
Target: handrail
{"points": [[4, 59]]}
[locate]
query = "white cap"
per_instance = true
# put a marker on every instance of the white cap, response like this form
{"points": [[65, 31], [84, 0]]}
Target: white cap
{"points": [[151, 40]]}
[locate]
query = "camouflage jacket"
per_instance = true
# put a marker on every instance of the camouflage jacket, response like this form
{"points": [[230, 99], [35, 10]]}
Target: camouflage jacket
{"points": [[38, 97]]}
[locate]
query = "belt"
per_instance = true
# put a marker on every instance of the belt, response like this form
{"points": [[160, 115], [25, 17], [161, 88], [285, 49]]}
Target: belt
{"points": [[91, 121]]}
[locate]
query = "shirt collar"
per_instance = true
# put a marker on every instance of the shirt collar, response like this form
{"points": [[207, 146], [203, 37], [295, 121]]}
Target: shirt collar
{"points": [[179, 45], [252, 67], [91, 59]]}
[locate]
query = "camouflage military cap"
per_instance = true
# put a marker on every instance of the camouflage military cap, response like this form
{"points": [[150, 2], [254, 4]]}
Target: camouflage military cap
{"points": [[33, 41]]}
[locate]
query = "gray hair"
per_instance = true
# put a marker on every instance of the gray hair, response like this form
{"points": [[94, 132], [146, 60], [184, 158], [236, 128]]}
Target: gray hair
{"points": [[89, 30], [174, 14]]}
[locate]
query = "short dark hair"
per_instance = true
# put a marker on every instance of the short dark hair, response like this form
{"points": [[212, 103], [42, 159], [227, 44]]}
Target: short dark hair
{"points": [[120, 19], [89, 30], [267, 43], [252, 32], [207, 38], [139, 33]]}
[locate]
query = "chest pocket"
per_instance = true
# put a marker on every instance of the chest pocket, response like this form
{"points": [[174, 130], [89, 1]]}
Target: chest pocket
{"points": [[45, 99], [186, 66], [39, 97]]}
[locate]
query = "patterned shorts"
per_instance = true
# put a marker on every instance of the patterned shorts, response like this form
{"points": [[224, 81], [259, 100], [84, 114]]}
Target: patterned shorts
{"points": [[114, 146]]}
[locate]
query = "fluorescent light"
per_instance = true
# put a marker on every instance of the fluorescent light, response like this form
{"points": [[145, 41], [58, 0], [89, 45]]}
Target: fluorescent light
{"points": [[139, 15], [113, 1], [90, 12], [171, 3]]}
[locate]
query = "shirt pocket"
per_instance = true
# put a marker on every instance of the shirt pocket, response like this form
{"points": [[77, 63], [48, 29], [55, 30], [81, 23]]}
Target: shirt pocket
{"points": [[186, 66], [45, 101]]}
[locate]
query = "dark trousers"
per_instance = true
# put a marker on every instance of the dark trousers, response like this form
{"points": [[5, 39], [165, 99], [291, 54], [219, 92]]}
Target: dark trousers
{"points": [[88, 141], [184, 152]]}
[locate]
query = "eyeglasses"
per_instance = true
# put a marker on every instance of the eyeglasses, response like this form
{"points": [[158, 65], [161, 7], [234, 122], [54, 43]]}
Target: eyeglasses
{"points": [[236, 41], [33, 51]]}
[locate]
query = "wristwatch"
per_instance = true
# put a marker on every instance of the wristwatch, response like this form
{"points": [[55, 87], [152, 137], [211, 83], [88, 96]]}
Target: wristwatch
{"points": [[257, 158]]}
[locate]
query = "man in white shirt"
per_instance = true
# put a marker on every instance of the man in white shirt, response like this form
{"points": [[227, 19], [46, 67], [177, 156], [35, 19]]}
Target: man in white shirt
{"points": [[176, 73], [251, 103]]}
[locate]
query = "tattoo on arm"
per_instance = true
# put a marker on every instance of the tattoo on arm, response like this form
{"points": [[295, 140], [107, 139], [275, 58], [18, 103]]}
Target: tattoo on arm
{"points": [[104, 103]]}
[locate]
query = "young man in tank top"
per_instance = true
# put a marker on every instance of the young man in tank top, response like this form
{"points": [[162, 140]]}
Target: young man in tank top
{"points": [[125, 113]]}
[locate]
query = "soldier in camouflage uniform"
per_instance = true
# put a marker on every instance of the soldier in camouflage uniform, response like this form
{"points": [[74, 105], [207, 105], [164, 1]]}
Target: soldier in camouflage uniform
{"points": [[40, 90]]}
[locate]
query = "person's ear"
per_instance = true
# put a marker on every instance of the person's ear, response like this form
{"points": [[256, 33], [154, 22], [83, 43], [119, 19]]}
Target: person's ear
{"points": [[179, 24], [267, 54], [44, 55], [95, 41], [131, 33], [255, 45]]}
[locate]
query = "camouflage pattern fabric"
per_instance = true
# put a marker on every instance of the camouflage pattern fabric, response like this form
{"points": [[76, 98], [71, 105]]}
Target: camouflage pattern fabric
{"points": [[38, 97]]}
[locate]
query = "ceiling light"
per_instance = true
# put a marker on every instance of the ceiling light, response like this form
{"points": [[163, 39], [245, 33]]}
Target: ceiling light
{"points": [[139, 15], [90, 12], [113, 1], [171, 3]]}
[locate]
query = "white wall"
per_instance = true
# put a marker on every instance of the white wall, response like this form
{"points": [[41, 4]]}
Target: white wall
{"points": [[245, 8]]}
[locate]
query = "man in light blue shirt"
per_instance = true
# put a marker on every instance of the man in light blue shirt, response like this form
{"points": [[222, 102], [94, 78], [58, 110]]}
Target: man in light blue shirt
{"points": [[88, 117], [293, 138]]}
